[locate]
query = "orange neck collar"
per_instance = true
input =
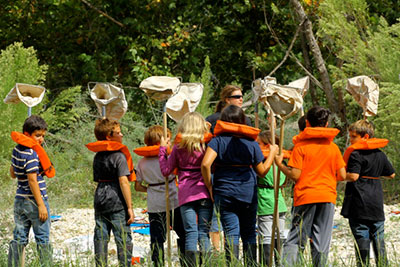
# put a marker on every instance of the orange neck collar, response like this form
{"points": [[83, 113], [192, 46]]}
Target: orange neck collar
{"points": [[47, 166], [365, 144], [236, 129], [316, 133], [149, 151], [106, 145]]}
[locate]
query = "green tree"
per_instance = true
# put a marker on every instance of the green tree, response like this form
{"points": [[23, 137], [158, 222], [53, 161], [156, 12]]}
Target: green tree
{"points": [[17, 65]]}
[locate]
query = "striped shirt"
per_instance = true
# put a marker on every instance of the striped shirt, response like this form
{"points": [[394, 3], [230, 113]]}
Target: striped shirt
{"points": [[25, 160]]}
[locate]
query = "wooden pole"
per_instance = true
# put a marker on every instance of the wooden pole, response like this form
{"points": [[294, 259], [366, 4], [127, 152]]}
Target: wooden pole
{"points": [[276, 187], [167, 210], [256, 118], [276, 192]]}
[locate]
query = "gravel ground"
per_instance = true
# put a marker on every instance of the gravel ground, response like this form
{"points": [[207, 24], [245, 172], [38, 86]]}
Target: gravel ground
{"points": [[72, 237]]}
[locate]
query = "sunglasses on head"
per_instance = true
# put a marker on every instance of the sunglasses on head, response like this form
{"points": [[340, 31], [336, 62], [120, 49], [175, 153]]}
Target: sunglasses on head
{"points": [[236, 96]]}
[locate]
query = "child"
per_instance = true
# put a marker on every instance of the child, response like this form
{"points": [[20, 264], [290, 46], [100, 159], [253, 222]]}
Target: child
{"points": [[148, 171], [238, 161], [194, 199], [363, 201], [112, 170], [315, 165], [266, 200], [31, 209]]}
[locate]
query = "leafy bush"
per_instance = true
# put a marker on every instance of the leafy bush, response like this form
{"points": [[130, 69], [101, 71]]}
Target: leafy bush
{"points": [[66, 109], [17, 65]]}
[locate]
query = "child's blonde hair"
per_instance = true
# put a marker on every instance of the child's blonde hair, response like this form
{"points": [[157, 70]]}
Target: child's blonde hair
{"points": [[192, 128], [363, 127], [153, 135]]}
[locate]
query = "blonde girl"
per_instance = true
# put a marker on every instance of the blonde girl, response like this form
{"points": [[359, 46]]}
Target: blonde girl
{"points": [[193, 195]]}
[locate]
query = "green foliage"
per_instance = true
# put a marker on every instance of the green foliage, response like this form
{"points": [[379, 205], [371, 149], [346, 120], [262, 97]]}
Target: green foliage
{"points": [[364, 49], [204, 107], [67, 108], [371, 47], [387, 121], [17, 65]]}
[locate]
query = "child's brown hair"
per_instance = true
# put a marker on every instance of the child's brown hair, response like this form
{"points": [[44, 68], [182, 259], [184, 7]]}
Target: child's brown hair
{"points": [[265, 137], [363, 127], [153, 135], [104, 127]]}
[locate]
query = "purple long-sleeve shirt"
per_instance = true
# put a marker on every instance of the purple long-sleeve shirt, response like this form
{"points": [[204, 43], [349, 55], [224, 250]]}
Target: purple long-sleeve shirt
{"points": [[191, 183]]}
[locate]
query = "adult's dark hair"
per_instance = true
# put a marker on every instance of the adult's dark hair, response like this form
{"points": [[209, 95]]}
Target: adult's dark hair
{"points": [[318, 116], [302, 123], [34, 123], [225, 93], [233, 113]]}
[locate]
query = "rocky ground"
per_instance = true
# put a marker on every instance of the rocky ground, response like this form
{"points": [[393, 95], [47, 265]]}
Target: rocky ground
{"points": [[72, 237]]}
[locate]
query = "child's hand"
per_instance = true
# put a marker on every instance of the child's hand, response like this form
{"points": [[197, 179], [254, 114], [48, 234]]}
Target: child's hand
{"points": [[43, 215], [208, 125], [279, 159], [131, 217], [164, 142], [273, 149]]}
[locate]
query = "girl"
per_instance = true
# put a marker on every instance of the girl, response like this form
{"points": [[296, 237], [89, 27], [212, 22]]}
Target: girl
{"points": [[238, 160], [266, 202], [194, 198]]}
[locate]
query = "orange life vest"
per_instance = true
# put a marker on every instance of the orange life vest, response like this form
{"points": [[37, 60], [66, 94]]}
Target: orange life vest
{"points": [[236, 129], [99, 146], [316, 133], [364, 144], [207, 138], [265, 151], [47, 166], [147, 151]]}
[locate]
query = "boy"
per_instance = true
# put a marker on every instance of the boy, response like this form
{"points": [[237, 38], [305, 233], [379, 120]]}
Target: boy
{"points": [[148, 171], [31, 208], [363, 201], [112, 199], [315, 165]]}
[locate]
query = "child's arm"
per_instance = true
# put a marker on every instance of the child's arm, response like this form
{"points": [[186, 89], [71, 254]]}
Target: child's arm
{"points": [[390, 176], [208, 160], [126, 192], [139, 187], [263, 168], [291, 173], [350, 177], [167, 164], [12, 172], [34, 186]]}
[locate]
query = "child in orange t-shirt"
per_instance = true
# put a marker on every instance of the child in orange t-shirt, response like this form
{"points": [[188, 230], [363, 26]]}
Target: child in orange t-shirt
{"points": [[315, 166]]}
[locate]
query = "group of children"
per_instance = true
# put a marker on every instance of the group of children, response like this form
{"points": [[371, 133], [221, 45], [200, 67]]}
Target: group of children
{"points": [[229, 171]]}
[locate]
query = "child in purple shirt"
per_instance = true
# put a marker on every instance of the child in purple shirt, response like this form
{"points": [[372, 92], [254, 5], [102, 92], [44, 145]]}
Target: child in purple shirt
{"points": [[194, 198]]}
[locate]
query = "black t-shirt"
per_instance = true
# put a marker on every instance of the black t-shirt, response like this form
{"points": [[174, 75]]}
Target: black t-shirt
{"points": [[214, 117], [108, 166], [364, 198]]}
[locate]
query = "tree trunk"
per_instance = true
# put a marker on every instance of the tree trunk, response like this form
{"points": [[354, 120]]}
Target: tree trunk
{"points": [[319, 61], [307, 64]]}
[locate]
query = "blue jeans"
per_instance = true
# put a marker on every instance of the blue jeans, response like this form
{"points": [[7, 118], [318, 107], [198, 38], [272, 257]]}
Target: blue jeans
{"points": [[238, 219], [369, 231], [117, 222], [196, 217], [26, 215]]}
